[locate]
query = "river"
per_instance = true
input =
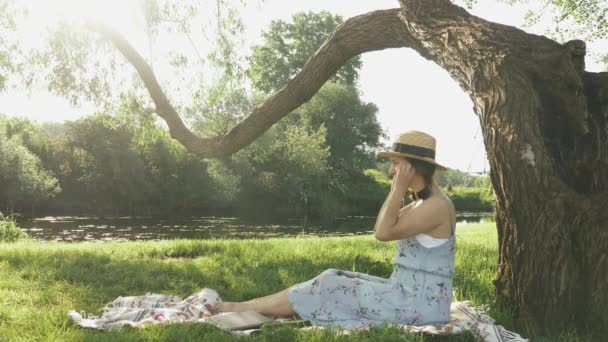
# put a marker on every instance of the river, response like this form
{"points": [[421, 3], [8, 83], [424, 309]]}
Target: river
{"points": [[94, 229]]}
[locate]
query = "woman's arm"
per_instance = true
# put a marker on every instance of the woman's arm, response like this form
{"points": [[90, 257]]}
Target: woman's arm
{"points": [[418, 217], [389, 214]]}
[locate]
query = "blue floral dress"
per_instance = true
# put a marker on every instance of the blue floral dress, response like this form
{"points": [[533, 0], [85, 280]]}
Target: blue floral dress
{"points": [[419, 291]]}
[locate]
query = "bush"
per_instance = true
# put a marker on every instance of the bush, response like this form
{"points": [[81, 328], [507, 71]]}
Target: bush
{"points": [[367, 192], [9, 231], [472, 199]]}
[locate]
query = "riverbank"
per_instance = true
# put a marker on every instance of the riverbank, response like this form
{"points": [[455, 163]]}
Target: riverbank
{"points": [[41, 281]]}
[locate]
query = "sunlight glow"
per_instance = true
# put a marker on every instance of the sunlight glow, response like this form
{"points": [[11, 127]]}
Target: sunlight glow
{"points": [[119, 14]]}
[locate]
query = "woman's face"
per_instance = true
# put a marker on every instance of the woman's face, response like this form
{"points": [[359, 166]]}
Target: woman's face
{"points": [[396, 162]]}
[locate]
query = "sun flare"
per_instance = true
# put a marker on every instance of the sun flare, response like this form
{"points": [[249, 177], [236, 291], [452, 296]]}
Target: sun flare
{"points": [[120, 14]]}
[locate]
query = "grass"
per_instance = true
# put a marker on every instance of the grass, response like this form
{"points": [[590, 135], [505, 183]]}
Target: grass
{"points": [[41, 281]]}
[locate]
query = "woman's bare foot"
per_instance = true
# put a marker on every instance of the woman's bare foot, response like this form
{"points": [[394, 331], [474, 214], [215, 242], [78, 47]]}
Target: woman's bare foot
{"points": [[228, 307]]}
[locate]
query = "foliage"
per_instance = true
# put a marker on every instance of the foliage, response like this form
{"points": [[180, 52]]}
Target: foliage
{"points": [[288, 45], [7, 26], [468, 192], [76, 66], [315, 164], [225, 182], [12, 58], [453, 177], [304, 147], [9, 231], [570, 19], [353, 134], [103, 163], [379, 178], [367, 192], [112, 170], [31, 135], [353, 130], [23, 177], [216, 111], [286, 170], [302, 164], [573, 18], [74, 61], [111, 165], [472, 199]]}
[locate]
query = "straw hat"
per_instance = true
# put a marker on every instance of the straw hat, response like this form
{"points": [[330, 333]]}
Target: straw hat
{"points": [[416, 145]]}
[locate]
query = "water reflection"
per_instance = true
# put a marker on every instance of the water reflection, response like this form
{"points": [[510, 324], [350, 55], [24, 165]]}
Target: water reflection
{"points": [[93, 229]]}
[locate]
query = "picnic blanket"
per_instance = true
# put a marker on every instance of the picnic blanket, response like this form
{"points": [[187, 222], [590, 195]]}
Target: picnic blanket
{"points": [[141, 311]]}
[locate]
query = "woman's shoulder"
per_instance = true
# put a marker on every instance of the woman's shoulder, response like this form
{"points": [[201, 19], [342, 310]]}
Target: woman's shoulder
{"points": [[446, 212], [440, 199]]}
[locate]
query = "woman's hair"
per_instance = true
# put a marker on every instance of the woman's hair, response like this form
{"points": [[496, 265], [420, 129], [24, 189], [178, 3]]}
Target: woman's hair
{"points": [[426, 171]]}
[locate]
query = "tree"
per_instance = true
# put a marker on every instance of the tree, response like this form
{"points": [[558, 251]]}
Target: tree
{"points": [[282, 175], [106, 170], [353, 130], [543, 120], [288, 45], [302, 164], [24, 180], [452, 178]]}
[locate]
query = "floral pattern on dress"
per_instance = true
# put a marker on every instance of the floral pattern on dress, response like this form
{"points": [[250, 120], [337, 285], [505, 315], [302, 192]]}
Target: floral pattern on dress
{"points": [[419, 291]]}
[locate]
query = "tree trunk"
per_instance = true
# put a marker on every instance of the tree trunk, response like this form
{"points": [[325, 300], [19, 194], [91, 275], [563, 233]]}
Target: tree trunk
{"points": [[544, 126]]}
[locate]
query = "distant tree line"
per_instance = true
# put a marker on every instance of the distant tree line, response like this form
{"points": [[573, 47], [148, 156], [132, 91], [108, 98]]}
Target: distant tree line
{"points": [[100, 165], [316, 164]]}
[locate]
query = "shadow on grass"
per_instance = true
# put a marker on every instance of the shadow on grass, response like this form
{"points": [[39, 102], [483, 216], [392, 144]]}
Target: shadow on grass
{"points": [[91, 279], [107, 277]]}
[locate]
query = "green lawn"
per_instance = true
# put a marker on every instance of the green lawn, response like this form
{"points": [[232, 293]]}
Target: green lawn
{"points": [[41, 281]]}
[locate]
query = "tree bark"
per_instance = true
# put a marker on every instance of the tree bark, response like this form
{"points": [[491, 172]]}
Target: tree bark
{"points": [[544, 126], [544, 123]]}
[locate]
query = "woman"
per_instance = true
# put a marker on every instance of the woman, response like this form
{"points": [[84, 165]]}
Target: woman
{"points": [[419, 291]]}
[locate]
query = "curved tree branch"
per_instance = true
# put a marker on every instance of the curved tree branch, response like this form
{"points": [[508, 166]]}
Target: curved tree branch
{"points": [[373, 31], [164, 109]]}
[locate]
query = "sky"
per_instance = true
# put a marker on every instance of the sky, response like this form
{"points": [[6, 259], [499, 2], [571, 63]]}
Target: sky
{"points": [[410, 92]]}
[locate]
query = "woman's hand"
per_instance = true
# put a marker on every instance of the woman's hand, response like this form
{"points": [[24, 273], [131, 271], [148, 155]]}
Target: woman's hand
{"points": [[403, 177]]}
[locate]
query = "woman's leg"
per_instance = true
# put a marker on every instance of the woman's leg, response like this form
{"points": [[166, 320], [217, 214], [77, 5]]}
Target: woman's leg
{"points": [[274, 305]]}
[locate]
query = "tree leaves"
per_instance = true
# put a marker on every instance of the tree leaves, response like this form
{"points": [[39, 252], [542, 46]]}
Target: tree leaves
{"points": [[9, 45], [23, 178], [288, 46]]}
